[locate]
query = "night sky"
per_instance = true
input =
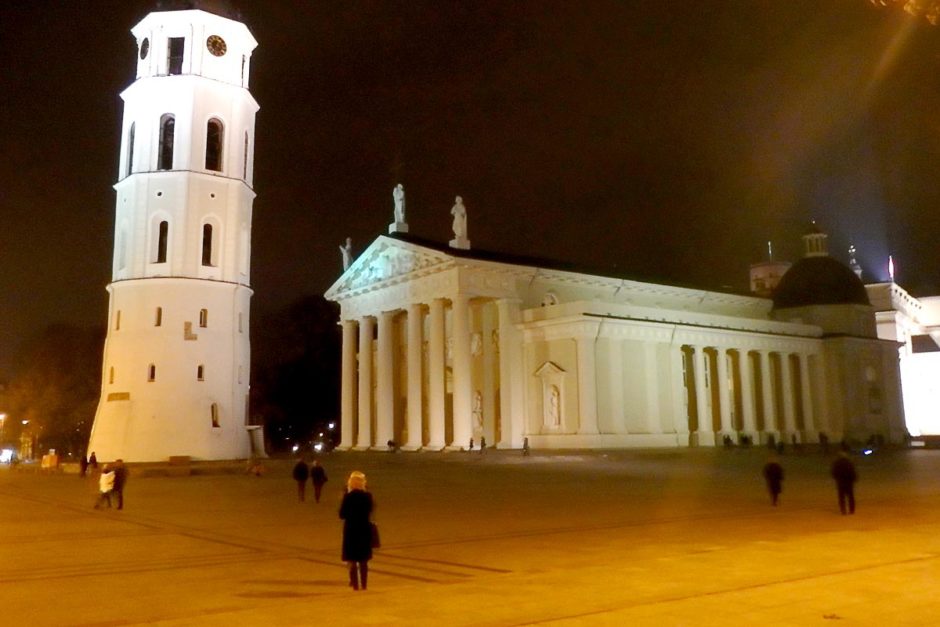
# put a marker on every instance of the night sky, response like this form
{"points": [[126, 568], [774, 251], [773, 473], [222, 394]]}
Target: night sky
{"points": [[661, 140]]}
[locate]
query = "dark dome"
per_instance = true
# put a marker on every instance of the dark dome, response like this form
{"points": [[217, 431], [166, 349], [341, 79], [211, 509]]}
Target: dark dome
{"points": [[819, 281]]}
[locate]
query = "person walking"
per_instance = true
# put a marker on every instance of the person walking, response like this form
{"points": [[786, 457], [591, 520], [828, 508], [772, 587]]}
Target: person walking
{"points": [[120, 478], [82, 466], [356, 512], [300, 474], [105, 485], [773, 475], [843, 471], [318, 476], [93, 461]]}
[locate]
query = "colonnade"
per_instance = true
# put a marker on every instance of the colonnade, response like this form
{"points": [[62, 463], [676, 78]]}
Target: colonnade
{"points": [[430, 419], [757, 393]]}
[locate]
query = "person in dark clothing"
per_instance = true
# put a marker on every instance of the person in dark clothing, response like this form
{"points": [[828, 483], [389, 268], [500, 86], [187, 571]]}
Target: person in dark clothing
{"points": [[300, 474], [82, 466], [93, 461], [773, 475], [120, 478], [318, 476], [843, 471], [356, 512]]}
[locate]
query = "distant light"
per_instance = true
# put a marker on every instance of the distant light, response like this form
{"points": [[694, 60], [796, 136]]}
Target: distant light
{"points": [[25, 422], [331, 426], [891, 267], [295, 448], [867, 451], [321, 434], [6, 456], [318, 447]]}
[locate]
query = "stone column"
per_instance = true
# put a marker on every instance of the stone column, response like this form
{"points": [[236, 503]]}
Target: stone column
{"points": [[587, 386], [436, 360], [348, 398], [818, 378], [767, 392], [747, 395], [706, 432], [415, 342], [364, 439], [385, 390], [809, 420], [653, 419], [462, 373], [724, 398], [680, 414], [510, 375], [789, 415]]}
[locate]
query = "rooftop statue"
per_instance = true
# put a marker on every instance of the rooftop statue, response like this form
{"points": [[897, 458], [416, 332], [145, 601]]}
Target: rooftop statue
{"points": [[346, 252], [398, 194], [460, 219]]}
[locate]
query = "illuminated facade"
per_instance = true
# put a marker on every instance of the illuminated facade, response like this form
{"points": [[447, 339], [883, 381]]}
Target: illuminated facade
{"points": [[443, 345], [914, 323], [177, 354]]}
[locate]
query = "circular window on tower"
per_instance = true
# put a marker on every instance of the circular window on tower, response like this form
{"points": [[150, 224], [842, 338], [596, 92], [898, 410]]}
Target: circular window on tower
{"points": [[144, 48], [216, 45]]}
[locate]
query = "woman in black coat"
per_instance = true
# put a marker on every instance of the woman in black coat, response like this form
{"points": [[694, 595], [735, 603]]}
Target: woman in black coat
{"points": [[356, 511]]}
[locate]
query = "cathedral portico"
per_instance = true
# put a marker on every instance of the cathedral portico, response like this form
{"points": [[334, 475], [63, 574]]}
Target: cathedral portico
{"points": [[511, 353]]}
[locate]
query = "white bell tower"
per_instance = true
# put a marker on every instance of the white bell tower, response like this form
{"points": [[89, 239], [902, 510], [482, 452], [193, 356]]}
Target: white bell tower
{"points": [[177, 354]]}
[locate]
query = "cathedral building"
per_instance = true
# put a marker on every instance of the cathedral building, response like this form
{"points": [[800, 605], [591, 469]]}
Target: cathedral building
{"points": [[176, 359], [445, 347]]}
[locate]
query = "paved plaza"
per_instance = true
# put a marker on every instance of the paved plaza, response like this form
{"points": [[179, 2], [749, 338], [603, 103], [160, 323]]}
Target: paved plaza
{"points": [[678, 537]]}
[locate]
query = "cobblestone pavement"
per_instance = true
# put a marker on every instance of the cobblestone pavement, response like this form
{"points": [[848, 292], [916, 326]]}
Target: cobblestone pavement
{"points": [[677, 537]]}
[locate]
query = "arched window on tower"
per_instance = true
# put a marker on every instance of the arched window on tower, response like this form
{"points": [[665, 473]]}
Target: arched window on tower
{"points": [[151, 373], [165, 152], [158, 319], [163, 231], [214, 415], [174, 55], [200, 372], [214, 145], [203, 318], [130, 149], [207, 245]]}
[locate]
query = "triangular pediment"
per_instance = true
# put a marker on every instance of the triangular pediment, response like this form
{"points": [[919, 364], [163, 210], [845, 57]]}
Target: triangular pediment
{"points": [[387, 260], [547, 369]]}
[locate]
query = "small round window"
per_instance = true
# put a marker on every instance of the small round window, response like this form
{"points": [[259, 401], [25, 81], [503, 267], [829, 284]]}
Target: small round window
{"points": [[144, 48]]}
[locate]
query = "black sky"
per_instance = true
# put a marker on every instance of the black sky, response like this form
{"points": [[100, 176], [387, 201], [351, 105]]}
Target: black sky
{"points": [[665, 140]]}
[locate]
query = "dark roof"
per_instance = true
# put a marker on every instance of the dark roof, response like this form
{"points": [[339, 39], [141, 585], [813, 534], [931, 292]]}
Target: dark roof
{"points": [[819, 281], [553, 264]]}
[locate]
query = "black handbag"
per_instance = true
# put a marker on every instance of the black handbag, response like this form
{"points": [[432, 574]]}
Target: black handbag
{"points": [[376, 542]]}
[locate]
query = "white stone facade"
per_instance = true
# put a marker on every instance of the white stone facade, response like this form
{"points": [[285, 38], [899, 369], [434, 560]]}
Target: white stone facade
{"points": [[441, 346], [177, 354], [914, 323]]}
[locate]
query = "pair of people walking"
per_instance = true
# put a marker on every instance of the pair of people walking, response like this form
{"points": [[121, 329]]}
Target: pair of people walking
{"points": [[315, 473], [842, 471], [111, 483]]}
